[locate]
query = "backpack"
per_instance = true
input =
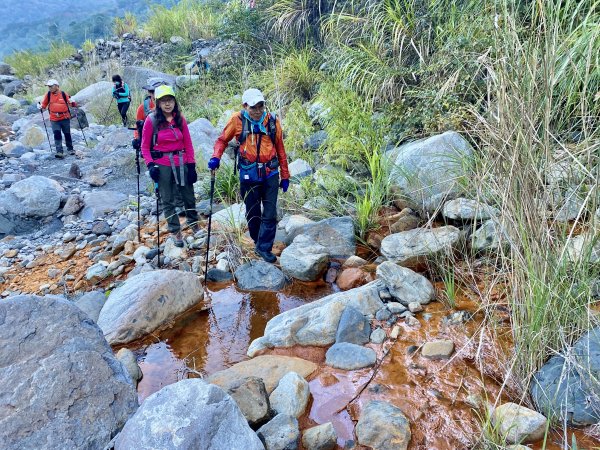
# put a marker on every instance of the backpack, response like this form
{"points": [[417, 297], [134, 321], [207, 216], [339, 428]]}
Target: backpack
{"points": [[147, 109], [64, 96]]}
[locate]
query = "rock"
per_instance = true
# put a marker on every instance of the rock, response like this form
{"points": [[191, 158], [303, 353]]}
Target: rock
{"points": [[97, 272], [378, 336], [348, 356], [430, 170], [98, 203], [8, 103], [438, 349], [383, 426], [146, 301], [218, 276], [33, 137], [467, 209], [91, 303], [486, 237], [281, 433], [176, 40], [189, 414], [291, 395], [137, 76], [321, 437], [396, 307], [204, 135], [335, 234], [304, 259], [383, 314], [583, 248], [73, 205], [6, 69], [95, 179], [259, 276], [62, 387], [354, 261], [568, 388], [14, 149], [234, 216], [351, 278], [251, 397], [35, 196], [299, 169], [315, 140], [412, 247], [14, 87], [129, 361], [405, 285], [119, 138], [405, 223], [93, 92], [101, 228], [353, 327], [186, 80], [171, 251], [519, 424], [415, 307], [316, 323], [68, 251]]}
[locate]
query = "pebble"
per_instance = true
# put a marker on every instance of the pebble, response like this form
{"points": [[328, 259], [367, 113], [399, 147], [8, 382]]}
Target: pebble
{"points": [[441, 349], [378, 336], [383, 314], [415, 307]]}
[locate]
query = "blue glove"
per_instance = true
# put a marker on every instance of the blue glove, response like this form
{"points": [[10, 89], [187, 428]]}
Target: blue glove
{"points": [[214, 163], [154, 172], [284, 184]]}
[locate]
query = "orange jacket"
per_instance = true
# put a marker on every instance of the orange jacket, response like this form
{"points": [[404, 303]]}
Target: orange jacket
{"points": [[141, 115], [57, 107], [248, 148]]}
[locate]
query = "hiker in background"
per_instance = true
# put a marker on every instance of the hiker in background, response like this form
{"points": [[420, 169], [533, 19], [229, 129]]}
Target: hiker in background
{"points": [[262, 162], [169, 154], [143, 111], [57, 102], [121, 93]]}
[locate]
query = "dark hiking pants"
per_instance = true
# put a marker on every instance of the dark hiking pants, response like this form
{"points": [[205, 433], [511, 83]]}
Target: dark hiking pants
{"points": [[63, 126], [262, 225], [167, 188], [123, 107]]}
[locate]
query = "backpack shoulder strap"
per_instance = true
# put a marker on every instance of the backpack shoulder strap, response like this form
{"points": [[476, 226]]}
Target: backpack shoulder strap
{"points": [[48, 100], [245, 126], [272, 127], [154, 130]]}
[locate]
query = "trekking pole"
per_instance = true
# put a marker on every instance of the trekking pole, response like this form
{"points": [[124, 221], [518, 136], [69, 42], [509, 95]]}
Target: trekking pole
{"points": [[212, 194], [80, 127], [137, 163], [157, 223], [108, 110], [46, 128]]}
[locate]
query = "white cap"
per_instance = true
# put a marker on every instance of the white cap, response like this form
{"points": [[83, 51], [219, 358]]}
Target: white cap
{"points": [[51, 82], [252, 96]]}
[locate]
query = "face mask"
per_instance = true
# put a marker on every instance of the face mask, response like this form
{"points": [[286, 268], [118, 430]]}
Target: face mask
{"points": [[118, 83]]}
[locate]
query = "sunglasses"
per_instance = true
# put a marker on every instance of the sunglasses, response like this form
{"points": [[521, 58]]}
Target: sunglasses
{"points": [[259, 105]]}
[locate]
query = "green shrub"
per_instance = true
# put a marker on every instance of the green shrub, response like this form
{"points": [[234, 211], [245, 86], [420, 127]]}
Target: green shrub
{"points": [[31, 62], [126, 24], [190, 19]]}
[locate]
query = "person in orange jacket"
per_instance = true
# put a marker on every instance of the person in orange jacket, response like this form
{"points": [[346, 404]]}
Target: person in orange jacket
{"points": [[262, 162], [57, 102]]}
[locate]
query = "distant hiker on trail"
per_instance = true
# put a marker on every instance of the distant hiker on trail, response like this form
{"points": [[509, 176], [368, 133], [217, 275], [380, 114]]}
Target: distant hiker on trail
{"points": [[121, 93], [169, 154], [57, 102], [262, 162]]}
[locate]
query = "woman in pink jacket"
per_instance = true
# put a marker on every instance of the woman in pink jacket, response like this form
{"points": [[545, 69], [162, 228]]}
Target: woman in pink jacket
{"points": [[169, 154]]}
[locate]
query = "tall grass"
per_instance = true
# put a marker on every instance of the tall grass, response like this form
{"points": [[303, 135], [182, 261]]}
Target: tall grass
{"points": [[543, 75], [190, 19], [125, 24], [32, 62]]}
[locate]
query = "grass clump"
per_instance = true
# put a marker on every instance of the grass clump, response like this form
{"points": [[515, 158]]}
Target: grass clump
{"points": [[32, 62], [126, 24], [190, 19]]}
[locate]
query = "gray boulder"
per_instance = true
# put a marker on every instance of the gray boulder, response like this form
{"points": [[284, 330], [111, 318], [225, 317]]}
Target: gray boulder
{"points": [[321, 437], [188, 415], [291, 395], [487, 237], [405, 285], [14, 149], [414, 246], [98, 203], [146, 301], [14, 87], [299, 169], [137, 76], [518, 424], [73, 205], [353, 327], [93, 91], [231, 217], [35, 196], [259, 276], [119, 138], [33, 137], [430, 170], [347, 356], [6, 69], [62, 387], [316, 140], [281, 433], [335, 234], [91, 303], [383, 426], [203, 135], [584, 248], [251, 397], [467, 209], [568, 387], [304, 259], [316, 323]]}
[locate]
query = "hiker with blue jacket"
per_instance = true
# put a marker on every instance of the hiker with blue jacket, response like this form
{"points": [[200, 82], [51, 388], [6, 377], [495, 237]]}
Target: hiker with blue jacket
{"points": [[123, 97], [262, 165]]}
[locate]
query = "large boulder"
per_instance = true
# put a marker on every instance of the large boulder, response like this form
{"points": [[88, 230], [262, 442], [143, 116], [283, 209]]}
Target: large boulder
{"points": [[35, 196], [136, 76], [405, 285], [93, 91], [304, 259], [259, 276], [467, 209], [146, 301], [412, 247], [383, 426], [188, 415], [34, 136], [316, 323], [335, 234], [568, 387], [62, 387], [98, 203], [119, 138], [204, 135], [430, 170], [231, 217]]}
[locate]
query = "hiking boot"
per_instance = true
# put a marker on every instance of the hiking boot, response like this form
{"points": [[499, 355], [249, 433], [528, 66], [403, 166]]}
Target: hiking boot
{"points": [[180, 212], [59, 155], [71, 151], [178, 239], [267, 256]]}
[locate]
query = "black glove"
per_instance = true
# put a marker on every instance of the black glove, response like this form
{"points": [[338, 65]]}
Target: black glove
{"points": [[136, 144], [154, 172], [192, 176]]}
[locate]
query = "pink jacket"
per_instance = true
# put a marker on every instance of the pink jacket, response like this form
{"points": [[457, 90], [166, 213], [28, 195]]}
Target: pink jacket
{"points": [[169, 139]]}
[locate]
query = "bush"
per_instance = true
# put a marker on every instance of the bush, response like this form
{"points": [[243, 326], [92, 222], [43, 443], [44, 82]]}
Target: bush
{"points": [[127, 24], [190, 19], [31, 62]]}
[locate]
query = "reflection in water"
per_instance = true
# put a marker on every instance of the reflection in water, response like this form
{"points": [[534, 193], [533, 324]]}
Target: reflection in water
{"points": [[204, 342]]}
